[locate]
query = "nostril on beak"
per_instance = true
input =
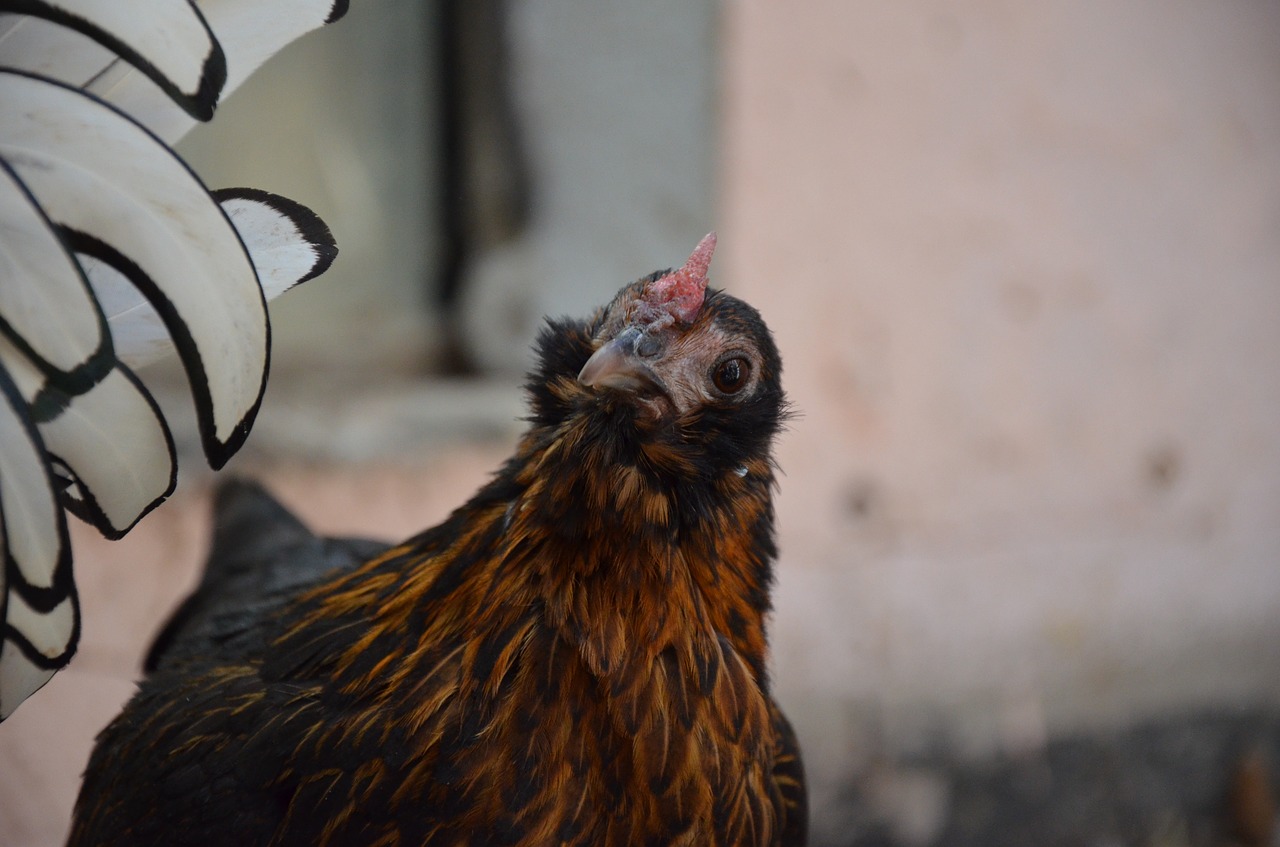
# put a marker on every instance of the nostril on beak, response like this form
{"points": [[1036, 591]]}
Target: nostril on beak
{"points": [[648, 346]]}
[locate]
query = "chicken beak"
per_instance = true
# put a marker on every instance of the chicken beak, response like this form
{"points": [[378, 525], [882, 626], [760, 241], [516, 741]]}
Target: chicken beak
{"points": [[620, 364]]}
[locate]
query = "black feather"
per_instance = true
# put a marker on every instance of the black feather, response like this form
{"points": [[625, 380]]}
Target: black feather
{"points": [[262, 557]]}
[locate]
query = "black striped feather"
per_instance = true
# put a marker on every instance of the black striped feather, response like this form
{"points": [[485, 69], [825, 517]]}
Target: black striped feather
{"points": [[114, 253]]}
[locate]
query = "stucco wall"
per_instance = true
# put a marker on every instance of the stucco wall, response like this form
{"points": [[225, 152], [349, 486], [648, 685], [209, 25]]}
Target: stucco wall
{"points": [[1024, 264]]}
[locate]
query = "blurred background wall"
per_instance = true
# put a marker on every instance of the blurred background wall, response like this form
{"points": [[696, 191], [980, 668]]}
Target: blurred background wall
{"points": [[1024, 260], [1023, 263]]}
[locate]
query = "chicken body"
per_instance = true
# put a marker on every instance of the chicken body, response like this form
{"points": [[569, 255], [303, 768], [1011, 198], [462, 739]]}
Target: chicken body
{"points": [[576, 656]]}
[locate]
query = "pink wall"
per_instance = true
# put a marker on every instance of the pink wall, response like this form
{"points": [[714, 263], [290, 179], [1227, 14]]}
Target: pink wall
{"points": [[1023, 261]]}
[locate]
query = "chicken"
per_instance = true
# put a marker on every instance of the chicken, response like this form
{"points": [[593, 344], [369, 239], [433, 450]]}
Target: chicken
{"points": [[577, 655]]}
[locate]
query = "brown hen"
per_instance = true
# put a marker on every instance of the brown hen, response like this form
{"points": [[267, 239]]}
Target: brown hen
{"points": [[576, 656]]}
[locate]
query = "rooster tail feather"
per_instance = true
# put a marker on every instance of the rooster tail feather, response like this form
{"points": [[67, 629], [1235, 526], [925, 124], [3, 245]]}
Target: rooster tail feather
{"points": [[168, 42], [41, 616], [114, 254]]}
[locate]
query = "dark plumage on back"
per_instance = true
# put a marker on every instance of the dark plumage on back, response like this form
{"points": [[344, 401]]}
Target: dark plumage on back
{"points": [[575, 656], [262, 558]]}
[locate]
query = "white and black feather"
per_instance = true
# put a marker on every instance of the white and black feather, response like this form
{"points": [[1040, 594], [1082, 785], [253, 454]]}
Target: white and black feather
{"points": [[114, 253]]}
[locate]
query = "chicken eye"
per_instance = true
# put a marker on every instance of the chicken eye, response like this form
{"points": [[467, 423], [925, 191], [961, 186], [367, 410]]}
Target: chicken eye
{"points": [[730, 375]]}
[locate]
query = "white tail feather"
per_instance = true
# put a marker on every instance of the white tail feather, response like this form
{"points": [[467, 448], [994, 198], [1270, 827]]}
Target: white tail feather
{"points": [[115, 253]]}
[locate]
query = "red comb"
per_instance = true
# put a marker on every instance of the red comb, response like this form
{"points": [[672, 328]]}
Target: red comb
{"points": [[679, 293]]}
